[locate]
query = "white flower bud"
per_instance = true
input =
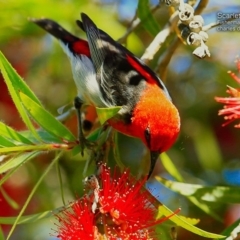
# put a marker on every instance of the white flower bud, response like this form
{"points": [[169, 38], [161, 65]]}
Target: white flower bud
{"points": [[183, 29], [174, 3], [201, 51], [204, 35], [194, 39], [185, 32], [186, 15], [195, 26], [198, 18]]}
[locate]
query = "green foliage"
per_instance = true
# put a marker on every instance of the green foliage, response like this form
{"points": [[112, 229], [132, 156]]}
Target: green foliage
{"points": [[147, 19], [106, 113], [209, 194], [187, 224]]}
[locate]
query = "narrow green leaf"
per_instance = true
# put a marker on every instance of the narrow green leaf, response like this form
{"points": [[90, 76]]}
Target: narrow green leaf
{"points": [[16, 161], [7, 175], [26, 219], [15, 84], [11, 75], [233, 228], [116, 151], [48, 137], [32, 193], [76, 150], [60, 182], [106, 113], [27, 148], [170, 167], [45, 136], [205, 193], [1, 234], [5, 142], [46, 120], [147, 19], [94, 135], [182, 222], [10, 133], [8, 199], [30, 218]]}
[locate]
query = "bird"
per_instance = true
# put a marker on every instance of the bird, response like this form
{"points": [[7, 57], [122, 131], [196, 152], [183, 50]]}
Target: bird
{"points": [[107, 75]]}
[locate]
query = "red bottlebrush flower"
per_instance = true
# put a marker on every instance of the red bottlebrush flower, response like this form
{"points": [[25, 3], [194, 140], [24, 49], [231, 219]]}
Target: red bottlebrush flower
{"points": [[231, 108], [128, 207], [77, 222], [115, 208]]}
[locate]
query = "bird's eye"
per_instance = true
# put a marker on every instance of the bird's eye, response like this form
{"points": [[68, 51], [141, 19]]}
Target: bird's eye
{"points": [[147, 134], [135, 80]]}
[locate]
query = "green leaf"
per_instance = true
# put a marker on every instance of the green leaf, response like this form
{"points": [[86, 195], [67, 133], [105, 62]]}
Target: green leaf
{"points": [[11, 75], [183, 222], [147, 19], [210, 194], [170, 167], [1, 234], [233, 228], [26, 219], [30, 148], [30, 218], [32, 193], [60, 182], [10, 133], [45, 119], [7, 175], [106, 113], [94, 135], [116, 151], [16, 161], [5, 142], [15, 84], [8, 199]]}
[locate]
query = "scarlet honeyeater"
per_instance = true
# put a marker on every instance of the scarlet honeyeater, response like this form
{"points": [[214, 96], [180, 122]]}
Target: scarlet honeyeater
{"points": [[108, 75]]}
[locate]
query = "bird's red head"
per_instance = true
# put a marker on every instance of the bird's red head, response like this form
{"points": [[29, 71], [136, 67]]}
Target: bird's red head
{"points": [[155, 120]]}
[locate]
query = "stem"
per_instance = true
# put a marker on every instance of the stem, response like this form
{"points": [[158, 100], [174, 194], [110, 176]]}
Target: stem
{"points": [[32, 193], [201, 6], [161, 68], [134, 24], [39, 147]]}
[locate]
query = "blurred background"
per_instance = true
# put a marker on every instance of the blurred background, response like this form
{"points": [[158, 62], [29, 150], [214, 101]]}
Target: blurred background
{"points": [[205, 152]]}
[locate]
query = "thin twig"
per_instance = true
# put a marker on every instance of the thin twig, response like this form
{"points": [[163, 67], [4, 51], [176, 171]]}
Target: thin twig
{"points": [[215, 24], [201, 6], [134, 24], [160, 39], [162, 66]]}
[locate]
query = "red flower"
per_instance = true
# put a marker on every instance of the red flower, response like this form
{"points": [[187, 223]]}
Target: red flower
{"points": [[115, 208], [127, 207], [231, 108], [77, 222]]}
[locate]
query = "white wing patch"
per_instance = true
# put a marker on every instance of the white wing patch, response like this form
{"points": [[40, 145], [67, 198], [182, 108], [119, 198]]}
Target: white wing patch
{"points": [[85, 79]]}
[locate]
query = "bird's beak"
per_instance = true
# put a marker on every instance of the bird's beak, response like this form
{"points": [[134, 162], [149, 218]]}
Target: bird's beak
{"points": [[154, 157]]}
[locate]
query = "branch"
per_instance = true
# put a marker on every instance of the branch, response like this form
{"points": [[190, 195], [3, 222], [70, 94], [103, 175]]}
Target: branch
{"points": [[160, 39], [215, 24], [201, 6], [162, 66], [134, 24]]}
